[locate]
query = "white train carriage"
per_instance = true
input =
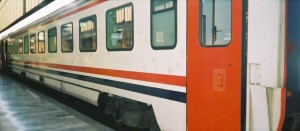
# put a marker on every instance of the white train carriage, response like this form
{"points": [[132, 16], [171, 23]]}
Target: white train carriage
{"points": [[169, 65], [101, 47]]}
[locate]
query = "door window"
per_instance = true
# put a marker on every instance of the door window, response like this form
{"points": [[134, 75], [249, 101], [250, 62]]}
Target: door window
{"points": [[215, 22]]}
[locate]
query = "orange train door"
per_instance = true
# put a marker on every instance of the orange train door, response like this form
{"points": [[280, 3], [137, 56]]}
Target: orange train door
{"points": [[215, 65]]}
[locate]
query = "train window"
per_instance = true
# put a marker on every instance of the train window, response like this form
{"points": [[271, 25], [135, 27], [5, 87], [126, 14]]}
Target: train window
{"points": [[163, 34], [88, 34], [41, 42], [215, 22], [119, 30], [8, 48], [67, 37], [26, 44], [11, 48], [52, 44], [16, 48], [20, 46], [32, 43]]}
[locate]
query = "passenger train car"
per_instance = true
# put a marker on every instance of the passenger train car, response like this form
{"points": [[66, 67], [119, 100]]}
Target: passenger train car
{"points": [[169, 65]]}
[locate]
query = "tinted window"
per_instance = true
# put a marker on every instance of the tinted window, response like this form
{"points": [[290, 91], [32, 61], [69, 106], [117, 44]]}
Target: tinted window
{"points": [[52, 44], [32, 44], [41, 42], [26, 44], [67, 37], [119, 30], [215, 22], [88, 34], [163, 24]]}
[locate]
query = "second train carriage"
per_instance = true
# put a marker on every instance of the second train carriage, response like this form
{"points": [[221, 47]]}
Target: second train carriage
{"points": [[172, 64]]}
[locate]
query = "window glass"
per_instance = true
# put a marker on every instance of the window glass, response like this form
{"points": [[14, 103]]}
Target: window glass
{"points": [[16, 48], [32, 44], [26, 44], [163, 27], [52, 44], [119, 30], [88, 34], [215, 22], [8, 48], [67, 37], [11, 49], [20, 46], [41, 42]]}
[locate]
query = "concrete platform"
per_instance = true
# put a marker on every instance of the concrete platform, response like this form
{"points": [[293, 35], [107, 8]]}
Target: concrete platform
{"points": [[22, 108]]}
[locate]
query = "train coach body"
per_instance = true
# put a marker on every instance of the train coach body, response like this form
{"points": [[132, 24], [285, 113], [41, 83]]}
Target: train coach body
{"points": [[198, 64], [155, 75]]}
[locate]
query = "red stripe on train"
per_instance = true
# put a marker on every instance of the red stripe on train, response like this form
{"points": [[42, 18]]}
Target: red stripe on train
{"points": [[149, 77]]}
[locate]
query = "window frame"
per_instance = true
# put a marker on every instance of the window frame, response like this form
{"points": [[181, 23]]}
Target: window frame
{"points": [[83, 19], [61, 37], [151, 27], [28, 44], [39, 43], [106, 22], [34, 43], [200, 27], [48, 36]]}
